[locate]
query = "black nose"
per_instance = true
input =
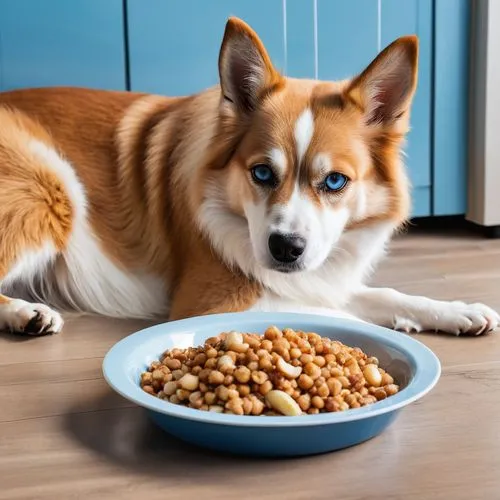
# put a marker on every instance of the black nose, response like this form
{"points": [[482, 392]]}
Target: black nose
{"points": [[286, 248]]}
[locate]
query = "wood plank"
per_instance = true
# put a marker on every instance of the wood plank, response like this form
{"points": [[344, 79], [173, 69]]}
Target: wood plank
{"points": [[36, 400]]}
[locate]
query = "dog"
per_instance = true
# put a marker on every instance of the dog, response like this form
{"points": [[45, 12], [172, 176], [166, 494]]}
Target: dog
{"points": [[263, 193]]}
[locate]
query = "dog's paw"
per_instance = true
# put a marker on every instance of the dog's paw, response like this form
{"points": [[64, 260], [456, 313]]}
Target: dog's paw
{"points": [[456, 318], [406, 325], [20, 316]]}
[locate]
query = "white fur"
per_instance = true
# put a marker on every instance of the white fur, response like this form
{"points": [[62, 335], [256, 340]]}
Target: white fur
{"points": [[88, 280], [29, 264], [16, 314], [348, 262], [336, 288], [322, 164], [390, 308], [303, 133], [362, 201], [320, 227], [278, 160], [259, 230], [270, 302]]}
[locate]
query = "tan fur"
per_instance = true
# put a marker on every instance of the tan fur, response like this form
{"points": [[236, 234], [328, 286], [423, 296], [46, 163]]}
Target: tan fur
{"points": [[338, 118], [126, 165], [146, 162], [34, 208]]}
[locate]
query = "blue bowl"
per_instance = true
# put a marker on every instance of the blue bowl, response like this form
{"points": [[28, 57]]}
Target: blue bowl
{"points": [[415, 368]]}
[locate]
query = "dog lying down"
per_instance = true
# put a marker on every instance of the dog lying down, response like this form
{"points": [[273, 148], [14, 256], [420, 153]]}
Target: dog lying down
{"points": [[263, 193]]}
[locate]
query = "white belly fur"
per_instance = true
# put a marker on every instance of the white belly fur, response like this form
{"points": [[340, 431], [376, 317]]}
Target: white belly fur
{"points": [[84, 277]]}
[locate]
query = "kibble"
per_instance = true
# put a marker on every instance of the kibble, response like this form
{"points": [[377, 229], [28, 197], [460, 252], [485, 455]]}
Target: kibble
{"points": [[216, 378], [242, 374], [283, 372], [169, 388], [265, 387]]}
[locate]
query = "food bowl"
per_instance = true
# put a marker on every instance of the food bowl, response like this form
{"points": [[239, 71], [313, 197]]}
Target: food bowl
{"points": [[415, 369]]}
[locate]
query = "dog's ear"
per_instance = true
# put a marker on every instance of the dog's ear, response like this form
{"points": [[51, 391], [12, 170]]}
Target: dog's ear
{"points": [[385, 89], [245, 69]]}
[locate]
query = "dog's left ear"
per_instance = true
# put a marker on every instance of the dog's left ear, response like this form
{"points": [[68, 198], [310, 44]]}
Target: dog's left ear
{"points": [[385, 89], [245, 68]]}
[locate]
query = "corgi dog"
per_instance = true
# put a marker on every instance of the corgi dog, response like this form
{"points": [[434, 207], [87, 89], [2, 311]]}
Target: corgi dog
{"points": [[263, 193]]}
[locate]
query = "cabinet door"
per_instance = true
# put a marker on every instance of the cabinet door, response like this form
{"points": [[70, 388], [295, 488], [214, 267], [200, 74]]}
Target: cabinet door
{"points": [[300, 40], [349, 36], [415, 17], [451, 88], [62, 42], [174, 46]]}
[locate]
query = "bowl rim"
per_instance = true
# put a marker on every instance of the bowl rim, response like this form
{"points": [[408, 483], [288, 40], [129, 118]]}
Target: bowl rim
{"points": [[426, 363]]}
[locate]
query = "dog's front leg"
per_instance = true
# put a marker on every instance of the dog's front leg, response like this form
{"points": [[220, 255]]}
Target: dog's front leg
{"points": [[393, 309]]}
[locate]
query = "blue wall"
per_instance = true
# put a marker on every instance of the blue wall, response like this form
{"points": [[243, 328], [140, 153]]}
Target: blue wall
{"points": [[62, 42]]}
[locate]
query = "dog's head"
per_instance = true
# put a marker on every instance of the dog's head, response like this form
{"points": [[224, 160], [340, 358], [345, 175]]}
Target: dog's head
{"points": [[313, 159]]}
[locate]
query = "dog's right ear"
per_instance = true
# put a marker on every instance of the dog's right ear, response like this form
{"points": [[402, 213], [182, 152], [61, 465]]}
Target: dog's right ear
{"points": [[384, 91], [245, 69]]}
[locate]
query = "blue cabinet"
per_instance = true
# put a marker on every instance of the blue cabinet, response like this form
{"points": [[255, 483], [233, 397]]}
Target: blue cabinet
{"points": [[300, 42], [450, 103], [398, 19], [347, 35], [350, 34], [171, 47], [62, 42]]}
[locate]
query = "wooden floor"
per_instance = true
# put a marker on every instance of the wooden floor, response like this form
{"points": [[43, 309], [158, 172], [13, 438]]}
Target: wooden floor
{"points": [[64, 434]]}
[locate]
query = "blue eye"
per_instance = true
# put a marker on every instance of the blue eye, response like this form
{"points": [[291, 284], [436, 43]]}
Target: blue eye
{"points": [[263, 174], [335, 182]]}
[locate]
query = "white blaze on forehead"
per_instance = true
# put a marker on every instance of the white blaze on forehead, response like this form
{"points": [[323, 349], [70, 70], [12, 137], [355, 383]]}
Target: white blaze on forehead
{"points": [[278, 159], [304, 129]]}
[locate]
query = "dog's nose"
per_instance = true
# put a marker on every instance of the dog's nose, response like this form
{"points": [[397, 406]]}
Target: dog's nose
{"points": [[286, 248]]}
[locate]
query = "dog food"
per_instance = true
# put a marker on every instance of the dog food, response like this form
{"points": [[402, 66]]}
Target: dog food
{"points": [[283, 372]]}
